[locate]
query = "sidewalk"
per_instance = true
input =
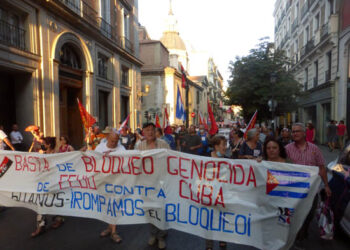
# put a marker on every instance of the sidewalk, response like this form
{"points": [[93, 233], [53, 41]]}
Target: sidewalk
{"points": [[329, 156]]}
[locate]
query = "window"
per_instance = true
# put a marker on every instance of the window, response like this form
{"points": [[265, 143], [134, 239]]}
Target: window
{"points": [[69, 57], [125, 76], [306, 77], [349, 63], [316, 73], [198, 97], [306, 35], [103, 108], [328, 72], [317, 22], [102, 66]]}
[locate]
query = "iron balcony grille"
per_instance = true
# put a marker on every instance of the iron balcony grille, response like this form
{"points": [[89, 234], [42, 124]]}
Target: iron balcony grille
{"points": [[12, 35], [127, 44]]}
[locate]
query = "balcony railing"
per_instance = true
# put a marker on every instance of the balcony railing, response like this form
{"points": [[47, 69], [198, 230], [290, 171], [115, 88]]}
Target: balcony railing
{"points": [[74, 5], [105, 28], [315, 82], [12, 35], [327, 76]]}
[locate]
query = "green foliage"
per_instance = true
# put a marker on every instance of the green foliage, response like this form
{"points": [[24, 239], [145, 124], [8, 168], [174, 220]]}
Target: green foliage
{"points": [[250, 82]]}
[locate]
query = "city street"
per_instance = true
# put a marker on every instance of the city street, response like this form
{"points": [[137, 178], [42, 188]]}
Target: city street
{"points": [[80, 233]]}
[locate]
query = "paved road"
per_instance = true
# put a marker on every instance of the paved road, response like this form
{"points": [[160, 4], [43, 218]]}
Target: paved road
{"points": [[16, 224]]}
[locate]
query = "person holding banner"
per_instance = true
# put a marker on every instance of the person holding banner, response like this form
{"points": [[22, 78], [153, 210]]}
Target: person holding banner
{"points": [[152, 142], [4, 139], [112, 145], [274, 150], [94, 137], [306, 153], [65, 146], [49, 147], [252, 148], [219, 143]]}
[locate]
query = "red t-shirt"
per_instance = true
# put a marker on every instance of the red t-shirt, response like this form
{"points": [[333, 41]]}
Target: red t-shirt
{"points": [[341, 129]]}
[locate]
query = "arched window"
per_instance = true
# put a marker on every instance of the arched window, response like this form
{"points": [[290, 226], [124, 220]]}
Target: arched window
{"points": [[69, 57]]}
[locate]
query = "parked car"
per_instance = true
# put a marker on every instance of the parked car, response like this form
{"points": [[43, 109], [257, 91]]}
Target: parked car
{"points": [[340, 186]]}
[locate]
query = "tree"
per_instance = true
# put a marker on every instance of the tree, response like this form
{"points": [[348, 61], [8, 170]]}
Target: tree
{"points": [[250, 82]]}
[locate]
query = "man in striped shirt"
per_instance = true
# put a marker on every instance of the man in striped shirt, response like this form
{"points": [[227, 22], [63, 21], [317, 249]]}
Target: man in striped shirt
{"points": [[305, 153]]}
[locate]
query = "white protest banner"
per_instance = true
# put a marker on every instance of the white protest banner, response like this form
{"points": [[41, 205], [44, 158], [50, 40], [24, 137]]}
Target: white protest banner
{"points": [[242, 201]]}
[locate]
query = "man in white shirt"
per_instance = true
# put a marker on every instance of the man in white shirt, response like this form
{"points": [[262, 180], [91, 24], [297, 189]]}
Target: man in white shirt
{"points": [[112, 145], [16, 138], [4, 139]]}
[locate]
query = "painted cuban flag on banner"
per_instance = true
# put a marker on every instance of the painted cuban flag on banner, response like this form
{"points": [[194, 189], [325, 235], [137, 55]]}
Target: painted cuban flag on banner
{"points": [[288, 184], [180, 110]]}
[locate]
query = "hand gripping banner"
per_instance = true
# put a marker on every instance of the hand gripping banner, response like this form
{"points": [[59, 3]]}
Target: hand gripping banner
{"points": [[242, 201]]}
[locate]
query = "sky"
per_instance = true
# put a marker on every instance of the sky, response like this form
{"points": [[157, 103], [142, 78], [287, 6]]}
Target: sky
{"points": [[223, 28]]}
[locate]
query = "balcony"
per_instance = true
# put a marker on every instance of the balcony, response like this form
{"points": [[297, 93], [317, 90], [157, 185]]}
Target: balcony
{"points": [[11, 35], [315, 82], [327, 76]]}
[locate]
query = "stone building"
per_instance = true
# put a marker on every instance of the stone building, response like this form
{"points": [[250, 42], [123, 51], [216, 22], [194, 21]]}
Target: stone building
{"points": [[53, 52], [307, 30], [343, 90]]}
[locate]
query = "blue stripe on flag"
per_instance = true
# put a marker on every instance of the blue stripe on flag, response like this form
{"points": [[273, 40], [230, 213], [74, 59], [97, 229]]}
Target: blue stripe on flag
{"points": [[288, 194], [289, 173], [294, 184]]}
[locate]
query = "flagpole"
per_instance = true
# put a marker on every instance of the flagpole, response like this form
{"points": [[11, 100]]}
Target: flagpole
{"points": [[187, 108]]}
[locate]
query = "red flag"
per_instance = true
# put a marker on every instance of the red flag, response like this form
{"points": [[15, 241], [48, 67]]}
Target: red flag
{"points": [[125, 123], [251, 124], [157, 121], [87, 119], [183, 77], [166, 118], [214, 126]]}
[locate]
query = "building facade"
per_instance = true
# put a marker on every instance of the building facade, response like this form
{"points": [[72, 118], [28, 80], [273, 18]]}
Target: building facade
{"points": [[307, 30], [343, 91], [53, 52]]}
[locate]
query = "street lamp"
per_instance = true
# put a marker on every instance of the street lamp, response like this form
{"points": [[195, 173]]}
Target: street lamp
{"points": [[272, 103]]}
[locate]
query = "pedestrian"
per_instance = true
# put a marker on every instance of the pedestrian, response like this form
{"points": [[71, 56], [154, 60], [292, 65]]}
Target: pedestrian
{"points": [[111, 145], [180, 137], [274, 150], [94, 137], [332, 135], [252, 148], [159, 133], [219, 143], [192, 142], [152, 142], [169, 138], [341, 132], [236, 143], [49, 147], [264, 132], [310, 133], [285, 137], [16, 138], [306, 153], [125, 138], [64, 145], [4, 140], [38, 141], [202, 133]]}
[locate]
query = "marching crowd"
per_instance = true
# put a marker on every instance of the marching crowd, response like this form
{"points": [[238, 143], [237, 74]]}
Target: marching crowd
{"points": [[291, 145]]}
